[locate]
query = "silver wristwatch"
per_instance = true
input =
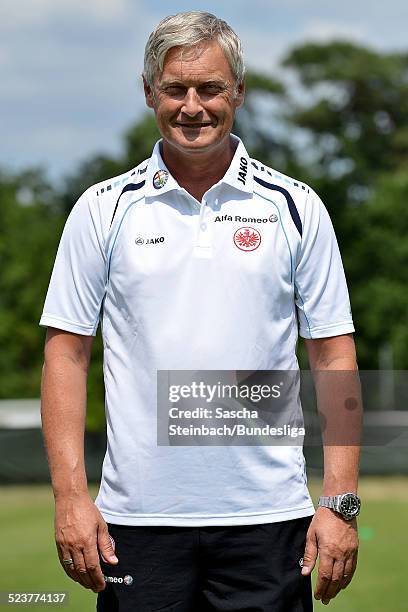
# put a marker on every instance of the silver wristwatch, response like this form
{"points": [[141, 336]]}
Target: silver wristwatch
{"points": [[347, 504]]}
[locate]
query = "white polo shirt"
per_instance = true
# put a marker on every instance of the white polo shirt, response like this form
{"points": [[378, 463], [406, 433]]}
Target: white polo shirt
{"points": [[223, 284]]}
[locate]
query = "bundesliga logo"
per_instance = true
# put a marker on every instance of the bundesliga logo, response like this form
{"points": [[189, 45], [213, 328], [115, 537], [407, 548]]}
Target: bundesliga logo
{"points": [[247, 238], [160, 179]]}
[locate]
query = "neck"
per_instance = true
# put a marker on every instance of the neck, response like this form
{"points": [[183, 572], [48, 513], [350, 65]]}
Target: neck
{"points": [[197, 172]]}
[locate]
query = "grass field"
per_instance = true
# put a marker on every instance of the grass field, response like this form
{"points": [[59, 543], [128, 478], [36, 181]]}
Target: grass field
{"points": [[29, 561]]}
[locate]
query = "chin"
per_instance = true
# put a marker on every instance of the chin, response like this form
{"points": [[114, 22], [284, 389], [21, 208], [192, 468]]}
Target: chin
{"points": [[196, 144], [197, 147]]}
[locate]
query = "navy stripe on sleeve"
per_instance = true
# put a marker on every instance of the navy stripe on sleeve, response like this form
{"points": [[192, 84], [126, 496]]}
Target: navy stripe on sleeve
{"points": [[291, 204], [128, 187]]}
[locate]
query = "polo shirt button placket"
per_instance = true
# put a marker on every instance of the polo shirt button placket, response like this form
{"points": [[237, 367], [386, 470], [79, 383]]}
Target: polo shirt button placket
{"points": [[203, 246]]}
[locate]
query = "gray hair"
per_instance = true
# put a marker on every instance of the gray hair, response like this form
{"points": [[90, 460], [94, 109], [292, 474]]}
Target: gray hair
{"points": [[188, 30]]}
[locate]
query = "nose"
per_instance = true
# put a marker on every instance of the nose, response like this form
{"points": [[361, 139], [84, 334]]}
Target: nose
{"points": [[192, 104]]}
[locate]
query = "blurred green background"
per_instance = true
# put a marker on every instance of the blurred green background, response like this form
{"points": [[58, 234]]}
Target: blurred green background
{"points": [[344, 119]]}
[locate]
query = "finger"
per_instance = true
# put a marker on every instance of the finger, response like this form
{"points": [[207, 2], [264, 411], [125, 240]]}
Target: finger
{"points": [[81, 569], [349, 569], [63, 553], [94, 568], [333, 586], [347, 574], [310, 556], [72, 573], [106, 545], [324, 575]]}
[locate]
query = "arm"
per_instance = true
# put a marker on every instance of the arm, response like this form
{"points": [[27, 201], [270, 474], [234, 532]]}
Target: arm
{"points": [[79, 527], [334, 366]]}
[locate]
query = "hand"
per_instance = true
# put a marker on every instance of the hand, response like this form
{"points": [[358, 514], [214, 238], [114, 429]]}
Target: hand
{"points": [[336, 542], [80, 532]]}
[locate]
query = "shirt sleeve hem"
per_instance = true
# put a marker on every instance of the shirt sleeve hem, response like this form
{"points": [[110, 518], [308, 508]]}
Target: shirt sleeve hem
{"points": [[72, 326], [337, 329]]}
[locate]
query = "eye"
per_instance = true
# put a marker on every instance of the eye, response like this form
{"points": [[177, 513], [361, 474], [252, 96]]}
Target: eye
{"points": [[174, 90], [211, 88]]}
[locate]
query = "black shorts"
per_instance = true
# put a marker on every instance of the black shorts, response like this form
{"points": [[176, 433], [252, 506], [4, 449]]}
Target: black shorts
{"points": [[251, 568]]}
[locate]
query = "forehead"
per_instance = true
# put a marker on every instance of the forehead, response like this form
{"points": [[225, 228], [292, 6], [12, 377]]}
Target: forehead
{"points": [[202, 62]]}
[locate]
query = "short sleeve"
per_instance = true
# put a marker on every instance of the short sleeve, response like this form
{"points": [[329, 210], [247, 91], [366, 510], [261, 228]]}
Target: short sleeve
{"points": [[321, 294], [78, 279]]}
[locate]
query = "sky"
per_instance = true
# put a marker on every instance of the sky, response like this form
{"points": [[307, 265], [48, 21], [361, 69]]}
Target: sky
{"points": [[70, 69]]}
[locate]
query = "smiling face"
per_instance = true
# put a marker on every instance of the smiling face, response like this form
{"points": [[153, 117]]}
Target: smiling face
{"points": [[195, 99]]}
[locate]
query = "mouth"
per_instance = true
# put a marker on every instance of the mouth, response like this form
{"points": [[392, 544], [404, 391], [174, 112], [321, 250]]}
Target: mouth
{"points": [[193, 126]]}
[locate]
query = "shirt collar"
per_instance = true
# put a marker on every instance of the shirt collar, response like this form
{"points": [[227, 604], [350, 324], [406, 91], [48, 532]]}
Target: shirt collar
{"points": [[239, 173], [160, 181]]}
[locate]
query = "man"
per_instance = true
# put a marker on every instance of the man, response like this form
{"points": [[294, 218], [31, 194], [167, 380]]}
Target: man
{"points": [[166, 256]]}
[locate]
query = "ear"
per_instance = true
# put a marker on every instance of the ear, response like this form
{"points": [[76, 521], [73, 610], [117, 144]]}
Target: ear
{"points": [[148, 93], [240, 97]]}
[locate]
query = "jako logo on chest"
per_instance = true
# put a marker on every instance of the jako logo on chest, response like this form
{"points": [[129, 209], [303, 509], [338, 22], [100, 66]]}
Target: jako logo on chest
{"points": [[139, 240], [243, 170]]}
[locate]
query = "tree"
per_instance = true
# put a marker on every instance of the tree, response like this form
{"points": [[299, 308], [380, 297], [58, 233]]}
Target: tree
{"points": [[30, 228], [353, 104], [378, 263]]}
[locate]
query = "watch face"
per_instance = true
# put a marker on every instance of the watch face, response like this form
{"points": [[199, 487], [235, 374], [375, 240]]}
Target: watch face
{"points": [[350, 505]]}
